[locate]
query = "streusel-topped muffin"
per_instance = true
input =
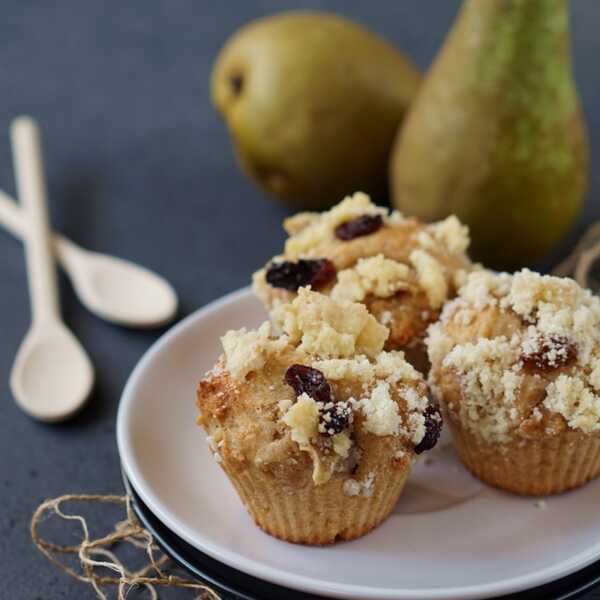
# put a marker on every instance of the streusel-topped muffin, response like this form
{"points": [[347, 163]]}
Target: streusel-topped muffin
{"points": [[516, 364], [316, 428], [401, 269]]}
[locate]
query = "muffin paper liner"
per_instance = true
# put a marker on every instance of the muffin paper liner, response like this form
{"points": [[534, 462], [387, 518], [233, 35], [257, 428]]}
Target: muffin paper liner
{"points": [[314, 514], [527, 466]]}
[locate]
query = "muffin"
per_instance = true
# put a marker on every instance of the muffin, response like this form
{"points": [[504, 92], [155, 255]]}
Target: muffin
{"points": [[515, 364], [317, 428], [401, 269]]}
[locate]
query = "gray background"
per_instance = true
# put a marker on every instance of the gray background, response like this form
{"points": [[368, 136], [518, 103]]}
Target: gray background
{"points": [[139, 165]]}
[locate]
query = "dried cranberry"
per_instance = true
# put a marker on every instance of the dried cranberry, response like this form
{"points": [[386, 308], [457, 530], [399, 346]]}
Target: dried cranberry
{"points": [[293, 275], [335, 417], [306, 380], [358, 227], [553, 352], [325, 274], [433, 427]]}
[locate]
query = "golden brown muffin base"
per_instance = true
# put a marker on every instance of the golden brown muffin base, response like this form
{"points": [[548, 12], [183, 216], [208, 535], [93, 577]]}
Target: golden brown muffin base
{"points": [[317, 515], [530, 467]]}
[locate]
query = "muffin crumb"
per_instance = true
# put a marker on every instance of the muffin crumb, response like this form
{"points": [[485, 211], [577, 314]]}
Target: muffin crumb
{"points": [[247, 351], [303, 420], [451, 233], [430, 274], [377, 275], [328, 328], [381, 411]]}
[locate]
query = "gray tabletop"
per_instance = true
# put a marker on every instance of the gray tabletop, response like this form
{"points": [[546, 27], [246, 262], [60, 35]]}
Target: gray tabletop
{"points": [[139, 165]]}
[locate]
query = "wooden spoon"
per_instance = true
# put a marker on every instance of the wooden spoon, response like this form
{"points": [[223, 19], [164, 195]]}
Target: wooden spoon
{"points": [[116, 290], [52, 375]]}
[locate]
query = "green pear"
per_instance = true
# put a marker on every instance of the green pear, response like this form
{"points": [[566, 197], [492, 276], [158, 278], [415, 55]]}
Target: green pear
{"points": [[496, 134], [312, 102]]}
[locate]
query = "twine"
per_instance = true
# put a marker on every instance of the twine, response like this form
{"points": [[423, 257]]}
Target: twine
{"points": [[580, 262], [94, 554]]}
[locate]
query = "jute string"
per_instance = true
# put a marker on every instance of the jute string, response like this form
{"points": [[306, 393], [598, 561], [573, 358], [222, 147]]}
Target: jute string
{"points": [[97, 553], [579, 264]]}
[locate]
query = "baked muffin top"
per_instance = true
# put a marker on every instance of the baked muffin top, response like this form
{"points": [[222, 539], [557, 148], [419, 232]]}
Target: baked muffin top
{"points": [[321, 400], [403, 270], [518, 356]]}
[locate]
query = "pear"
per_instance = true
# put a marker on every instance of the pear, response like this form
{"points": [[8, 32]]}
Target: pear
{"points": [[312, 102], [496, 134]]}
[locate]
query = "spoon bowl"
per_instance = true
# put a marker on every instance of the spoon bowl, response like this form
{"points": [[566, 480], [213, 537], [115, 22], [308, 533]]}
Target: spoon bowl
{"points": [[122, 292], [52, 375]]}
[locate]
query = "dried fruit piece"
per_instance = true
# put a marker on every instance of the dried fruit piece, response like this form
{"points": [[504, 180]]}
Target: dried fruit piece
{"points": [[293, 275], [551, 353], [335, 417], [433, 427], [306, 380], [324, 275], [358, 227]]}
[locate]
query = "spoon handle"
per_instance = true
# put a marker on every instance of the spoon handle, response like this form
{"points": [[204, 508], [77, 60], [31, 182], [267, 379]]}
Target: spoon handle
{"points": [[29, 175]]}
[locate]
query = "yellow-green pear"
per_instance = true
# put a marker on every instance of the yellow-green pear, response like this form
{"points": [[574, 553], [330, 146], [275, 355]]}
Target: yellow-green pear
{"points": [[312, 102], [496, 134]]}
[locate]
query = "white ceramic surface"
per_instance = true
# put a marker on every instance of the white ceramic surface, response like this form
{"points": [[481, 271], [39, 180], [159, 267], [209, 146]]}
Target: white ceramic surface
{"points": [[449, 537]]}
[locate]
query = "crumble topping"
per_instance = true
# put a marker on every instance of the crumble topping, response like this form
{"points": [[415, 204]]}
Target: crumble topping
{"points": [[324, 327], [342, 444], [451, 233], [310, 230], [488, 384], [284, 405], [382, 416], [484, 288], [247, 351], [594, 377], [377, 275], [320, 413], [543, 334], [430, 275], [391, 366], [303, 420], [381, 411], [580, 407], [358, 367]]}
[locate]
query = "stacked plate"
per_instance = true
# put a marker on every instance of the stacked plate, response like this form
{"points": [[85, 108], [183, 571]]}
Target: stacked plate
{"points": [[450, 537]]}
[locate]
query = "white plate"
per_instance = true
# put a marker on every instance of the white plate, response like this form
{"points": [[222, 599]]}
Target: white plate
{"points": [[450, 536]]}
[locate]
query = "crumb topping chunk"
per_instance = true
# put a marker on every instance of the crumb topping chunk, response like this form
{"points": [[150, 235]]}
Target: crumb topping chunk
{"points": [[376, 275], [247, 351], [323, 327], [519, 347]]}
